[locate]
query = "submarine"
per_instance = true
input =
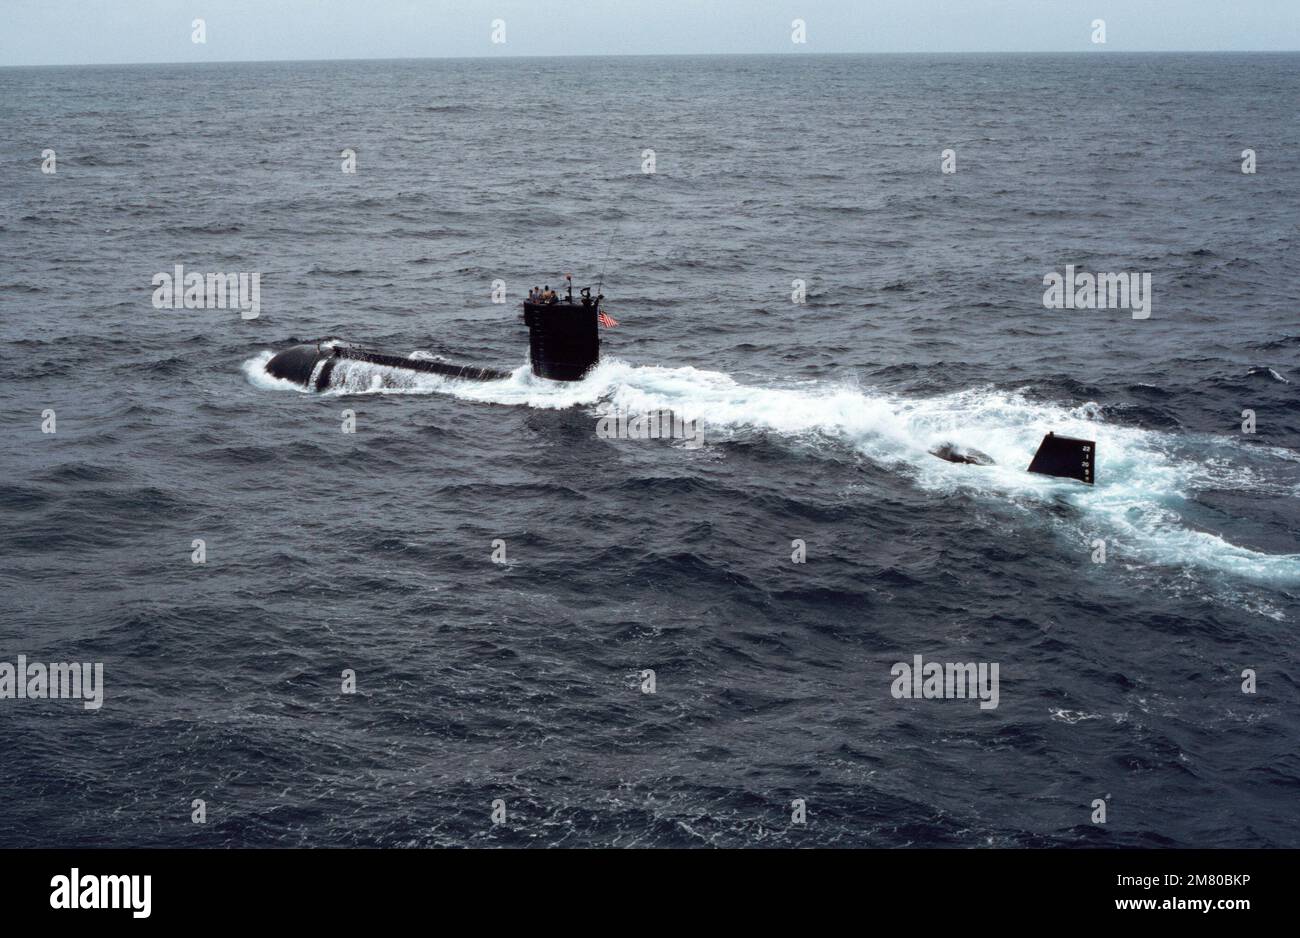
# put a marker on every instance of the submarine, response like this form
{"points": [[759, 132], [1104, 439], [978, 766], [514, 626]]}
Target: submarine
{"points": [[564, 344], [1064, 456]]}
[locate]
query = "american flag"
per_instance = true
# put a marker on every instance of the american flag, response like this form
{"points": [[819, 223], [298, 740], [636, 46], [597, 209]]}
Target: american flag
{"points": [[606, 320]]}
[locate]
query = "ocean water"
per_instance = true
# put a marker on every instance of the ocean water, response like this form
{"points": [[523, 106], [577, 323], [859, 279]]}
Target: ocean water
{"points": [[522, 681]]}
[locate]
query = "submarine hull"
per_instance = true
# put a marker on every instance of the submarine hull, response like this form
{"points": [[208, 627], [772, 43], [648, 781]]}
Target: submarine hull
{"points": [[564, 344], [312, 365]]}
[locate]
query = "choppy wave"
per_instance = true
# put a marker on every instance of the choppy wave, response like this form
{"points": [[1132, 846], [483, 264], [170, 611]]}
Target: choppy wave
{"points": [[372, 550]]}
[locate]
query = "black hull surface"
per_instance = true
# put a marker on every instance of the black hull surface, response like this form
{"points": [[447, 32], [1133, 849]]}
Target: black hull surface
{"points": [[563, 339], [311, 366]]}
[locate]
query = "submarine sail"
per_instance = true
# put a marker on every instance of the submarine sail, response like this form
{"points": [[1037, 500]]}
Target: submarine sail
{"points": [[563, 339]]}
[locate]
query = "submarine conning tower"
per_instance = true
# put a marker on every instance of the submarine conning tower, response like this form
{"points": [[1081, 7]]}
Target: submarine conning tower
{"points": [[563, 337]]}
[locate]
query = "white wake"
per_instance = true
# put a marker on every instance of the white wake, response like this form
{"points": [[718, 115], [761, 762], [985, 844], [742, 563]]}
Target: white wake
{"points": [[1143, 476]]}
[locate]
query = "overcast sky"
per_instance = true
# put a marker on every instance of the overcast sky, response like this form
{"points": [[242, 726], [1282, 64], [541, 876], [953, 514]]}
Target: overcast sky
{"points": [[62, 32]]}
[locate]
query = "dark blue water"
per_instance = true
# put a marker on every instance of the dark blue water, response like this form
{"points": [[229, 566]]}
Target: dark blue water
{"points": [[521, 681]]}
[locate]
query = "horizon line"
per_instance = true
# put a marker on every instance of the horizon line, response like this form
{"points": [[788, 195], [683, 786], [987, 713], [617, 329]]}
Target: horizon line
{"points": [[653, 55]]}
